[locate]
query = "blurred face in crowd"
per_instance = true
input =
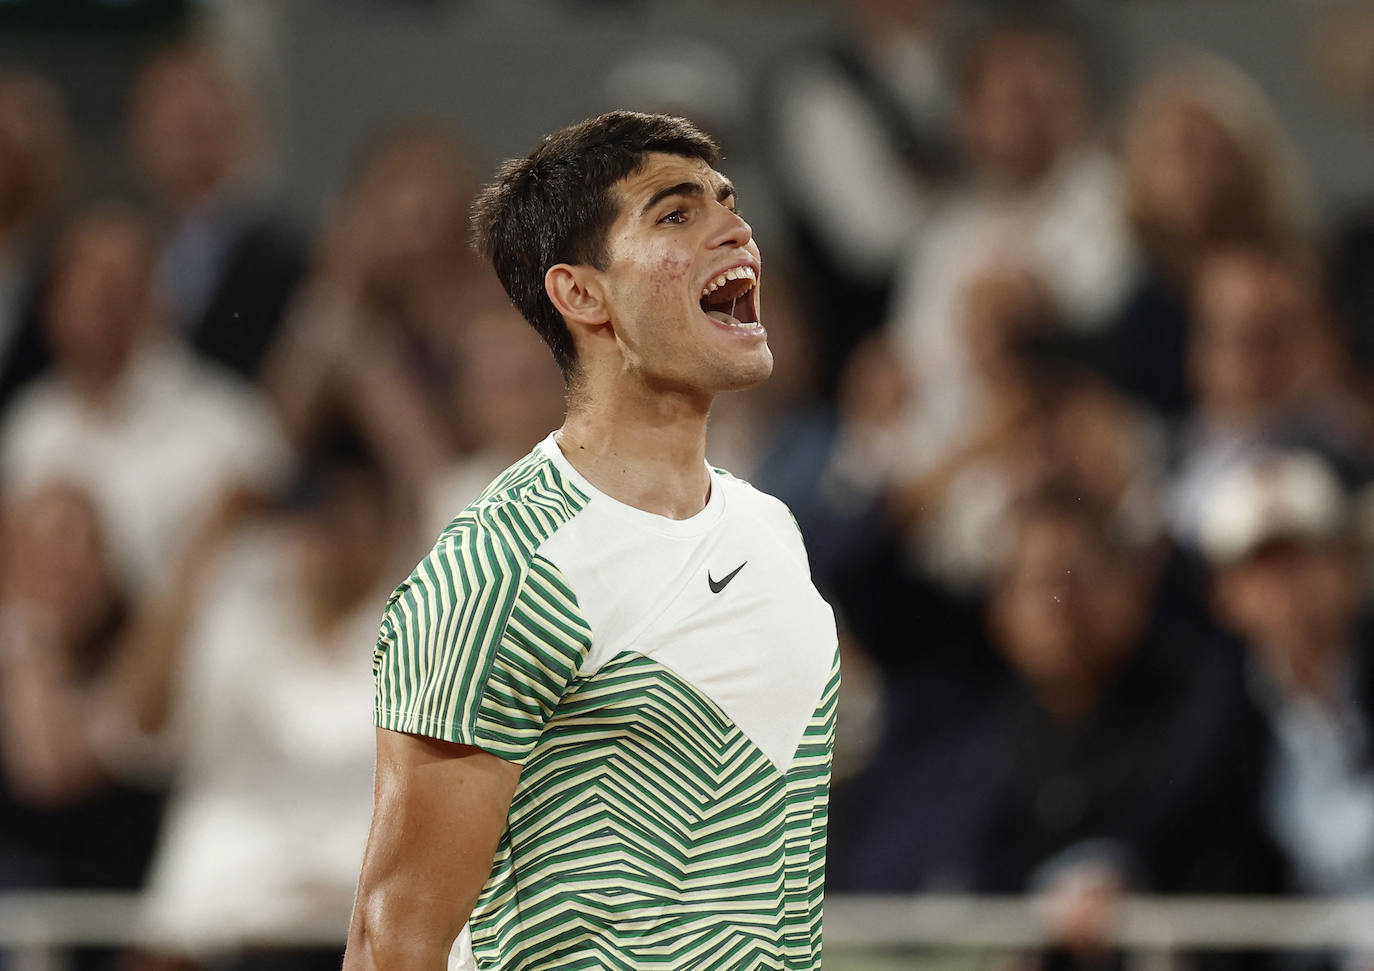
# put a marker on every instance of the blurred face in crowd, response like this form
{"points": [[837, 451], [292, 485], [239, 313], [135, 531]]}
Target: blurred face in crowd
{"points": [[1083, 436], [509, 392], [409, 217], [1001, 308], [188, 126], [1188, 177], [53, 557], [1256, 327], [1023, 105], [101, 300], [1295, 603], [344, 541], [32, 132], [874, 386], [1065, 609]]}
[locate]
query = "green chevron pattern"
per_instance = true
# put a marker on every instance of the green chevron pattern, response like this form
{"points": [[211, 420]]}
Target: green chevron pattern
{"points": [[646, 831]]}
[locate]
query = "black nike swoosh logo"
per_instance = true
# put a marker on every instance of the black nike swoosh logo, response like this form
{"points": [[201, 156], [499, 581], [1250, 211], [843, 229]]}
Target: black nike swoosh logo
{"points": [[718, 585]]}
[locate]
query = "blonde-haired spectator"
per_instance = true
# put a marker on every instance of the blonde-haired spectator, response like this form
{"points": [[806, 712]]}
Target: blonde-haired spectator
{"points": [[1206, 163]]}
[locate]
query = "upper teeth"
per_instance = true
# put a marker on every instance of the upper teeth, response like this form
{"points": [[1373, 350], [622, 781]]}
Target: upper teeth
{"points": [[737, 273]]}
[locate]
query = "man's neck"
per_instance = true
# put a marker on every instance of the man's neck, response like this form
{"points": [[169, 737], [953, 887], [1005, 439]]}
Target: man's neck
{"points": [[647, 451]]}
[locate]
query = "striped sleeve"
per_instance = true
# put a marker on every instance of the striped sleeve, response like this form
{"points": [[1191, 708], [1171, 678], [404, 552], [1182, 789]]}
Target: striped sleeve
{"points": [[479, 643]]}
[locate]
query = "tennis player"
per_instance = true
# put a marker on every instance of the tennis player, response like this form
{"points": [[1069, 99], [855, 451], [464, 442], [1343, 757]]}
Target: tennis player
{"points": [[606, 698]]}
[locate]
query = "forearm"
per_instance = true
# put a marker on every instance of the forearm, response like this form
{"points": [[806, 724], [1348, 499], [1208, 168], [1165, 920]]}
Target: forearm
{"points": [[43, 717], [387, 932]]}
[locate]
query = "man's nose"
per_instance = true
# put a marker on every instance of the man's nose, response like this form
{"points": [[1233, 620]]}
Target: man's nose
{"points": [[734, 231]]}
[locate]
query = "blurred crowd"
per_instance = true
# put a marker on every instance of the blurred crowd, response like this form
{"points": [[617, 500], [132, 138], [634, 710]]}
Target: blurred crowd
{"points": [[1074, 404]]}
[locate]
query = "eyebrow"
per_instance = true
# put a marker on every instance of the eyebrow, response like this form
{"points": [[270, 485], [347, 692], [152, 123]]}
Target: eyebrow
{"points": [[727, 189]]}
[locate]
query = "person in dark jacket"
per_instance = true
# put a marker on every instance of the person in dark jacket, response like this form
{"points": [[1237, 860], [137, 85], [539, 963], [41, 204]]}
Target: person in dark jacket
{"points": [[230, 266], [1095, 759], [1288, 578]]}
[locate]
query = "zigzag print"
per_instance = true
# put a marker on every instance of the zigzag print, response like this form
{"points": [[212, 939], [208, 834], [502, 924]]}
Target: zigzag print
{"points": [[640, 838], [647, 831]]}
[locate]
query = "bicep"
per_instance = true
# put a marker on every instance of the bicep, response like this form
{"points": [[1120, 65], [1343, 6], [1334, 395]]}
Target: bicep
{"points": [[440, 809]]}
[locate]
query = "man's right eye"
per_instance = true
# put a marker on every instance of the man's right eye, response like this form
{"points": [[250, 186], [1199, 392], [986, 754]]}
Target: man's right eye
{"points": [[675, 217]]}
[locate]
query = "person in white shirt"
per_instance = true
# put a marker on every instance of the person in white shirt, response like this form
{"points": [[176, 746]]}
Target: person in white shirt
{"points": [[266, 826], [127, 414], [1044, 198]]}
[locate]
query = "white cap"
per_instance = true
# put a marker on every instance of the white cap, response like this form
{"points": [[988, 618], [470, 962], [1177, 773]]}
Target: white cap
{"points": [[1281, 495]]}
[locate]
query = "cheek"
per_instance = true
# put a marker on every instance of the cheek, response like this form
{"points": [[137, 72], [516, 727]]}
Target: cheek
{"points": [[670, 274]]}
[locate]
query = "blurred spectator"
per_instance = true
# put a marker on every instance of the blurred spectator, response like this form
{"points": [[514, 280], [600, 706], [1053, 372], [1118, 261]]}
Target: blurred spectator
{"points": [[276, 617], [1032, 420], [68, 820], [1266, 371], [508, 396], [374, 335], [1058, 770], [859, 147], [1206, 165], [1044, 199], [151, 434], [251, 667], [33, 164], [1288, 579], [228, 267]]}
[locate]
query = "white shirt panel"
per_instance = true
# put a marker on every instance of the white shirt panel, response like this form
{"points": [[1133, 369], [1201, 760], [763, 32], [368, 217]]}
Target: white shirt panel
{"points": [[759, 644]]}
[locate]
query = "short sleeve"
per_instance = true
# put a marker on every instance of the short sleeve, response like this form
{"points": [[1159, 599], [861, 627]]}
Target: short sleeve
{"points": [[478, 645]]}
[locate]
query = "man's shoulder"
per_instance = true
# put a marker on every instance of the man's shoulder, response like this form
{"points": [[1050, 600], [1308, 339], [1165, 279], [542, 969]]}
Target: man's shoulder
{"points": [[520, 508], [494, 540], [751, 498]]}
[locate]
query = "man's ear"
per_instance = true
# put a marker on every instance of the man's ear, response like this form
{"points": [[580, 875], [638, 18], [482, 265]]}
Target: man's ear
{"points": [[575, 291]]}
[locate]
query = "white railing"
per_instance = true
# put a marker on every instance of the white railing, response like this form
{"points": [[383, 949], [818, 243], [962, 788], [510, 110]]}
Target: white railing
{"points": [[1141, 923], [36, 929]]}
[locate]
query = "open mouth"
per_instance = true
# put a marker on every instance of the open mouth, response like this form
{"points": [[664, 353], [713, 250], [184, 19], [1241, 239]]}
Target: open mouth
{"points": [[729, 298]]}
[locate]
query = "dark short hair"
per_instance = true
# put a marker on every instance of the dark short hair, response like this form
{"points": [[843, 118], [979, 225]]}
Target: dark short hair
{"points": [[555, 206]]}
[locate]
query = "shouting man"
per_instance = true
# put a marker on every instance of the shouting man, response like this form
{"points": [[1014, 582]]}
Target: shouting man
{"points": [[606, 699]]}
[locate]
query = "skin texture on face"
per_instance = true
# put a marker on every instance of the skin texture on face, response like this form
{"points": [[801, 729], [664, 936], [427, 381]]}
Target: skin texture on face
{"points": [[676, 230]]}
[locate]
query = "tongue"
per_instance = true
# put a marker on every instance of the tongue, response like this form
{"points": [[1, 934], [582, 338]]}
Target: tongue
{"points": [[722, 317]]}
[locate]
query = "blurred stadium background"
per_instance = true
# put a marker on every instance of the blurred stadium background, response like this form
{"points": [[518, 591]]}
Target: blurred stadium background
{"points": [[1073, 310]]}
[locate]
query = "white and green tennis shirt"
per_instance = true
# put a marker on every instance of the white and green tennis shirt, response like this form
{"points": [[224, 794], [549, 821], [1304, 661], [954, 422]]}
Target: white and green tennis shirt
{"points": [[668, 688]]}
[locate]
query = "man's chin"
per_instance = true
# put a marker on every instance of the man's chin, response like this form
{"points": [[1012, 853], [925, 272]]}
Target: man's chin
{"points": [[743, 375]]}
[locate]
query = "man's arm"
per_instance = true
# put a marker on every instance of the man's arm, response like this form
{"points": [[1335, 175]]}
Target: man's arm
{"points": [[439, 811]]}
